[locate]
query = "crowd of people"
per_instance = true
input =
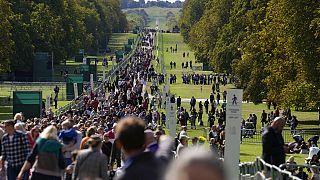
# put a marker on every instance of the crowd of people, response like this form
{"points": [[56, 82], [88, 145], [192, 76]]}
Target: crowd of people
{"points": [[203, 79], [118, 132], [115, 132]]}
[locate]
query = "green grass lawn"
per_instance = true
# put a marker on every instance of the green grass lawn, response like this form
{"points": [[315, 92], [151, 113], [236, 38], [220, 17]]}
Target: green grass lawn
{"points": [[248, 151], [160, 13]]}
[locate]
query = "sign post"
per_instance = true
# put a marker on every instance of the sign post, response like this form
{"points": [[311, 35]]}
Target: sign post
{"points": [[104, 63], [172, 119], [75, 90], [48, 103], [167, 101], [232, 137], [91, 82]]}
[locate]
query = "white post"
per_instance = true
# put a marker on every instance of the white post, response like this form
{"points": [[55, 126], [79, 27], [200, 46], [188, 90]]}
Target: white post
{"points": [[47, 103], [75, 90], [104, 74], [91, 82], [172, 119], [112, 63], [167, 99], [232, 137]]}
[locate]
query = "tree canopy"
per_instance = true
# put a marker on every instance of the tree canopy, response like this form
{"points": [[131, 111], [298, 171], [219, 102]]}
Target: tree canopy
{"points": [[271, 47], [59, 26]]}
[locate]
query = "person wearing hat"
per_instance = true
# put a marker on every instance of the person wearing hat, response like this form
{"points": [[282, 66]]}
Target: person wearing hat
{"points": [[91, 163], [273, 149]]}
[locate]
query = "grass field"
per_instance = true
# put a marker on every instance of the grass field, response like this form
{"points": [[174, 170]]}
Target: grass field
{"points": [[248, 151], [155, 13]]}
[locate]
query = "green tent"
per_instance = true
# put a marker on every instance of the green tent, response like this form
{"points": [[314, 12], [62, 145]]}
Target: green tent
{"points": [[127, 48], [71, 79], [119, 55], [131, 41], [86, 70], [27, 102]]}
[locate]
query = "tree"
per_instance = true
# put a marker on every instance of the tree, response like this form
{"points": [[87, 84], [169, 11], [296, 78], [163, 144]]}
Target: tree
{"points": [[191, 13], [6, 43]]}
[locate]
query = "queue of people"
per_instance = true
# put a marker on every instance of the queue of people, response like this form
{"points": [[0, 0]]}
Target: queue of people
{"points": [[110, 134]]}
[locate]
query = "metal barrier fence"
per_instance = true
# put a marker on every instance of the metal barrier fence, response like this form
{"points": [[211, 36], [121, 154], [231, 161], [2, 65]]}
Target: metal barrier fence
{"points": [[260, 170], [255, 136], [7, 87], [110, 75]]}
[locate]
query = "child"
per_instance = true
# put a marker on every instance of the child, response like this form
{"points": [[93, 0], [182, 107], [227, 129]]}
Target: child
{"points": [[69, 169], [68, 136]]}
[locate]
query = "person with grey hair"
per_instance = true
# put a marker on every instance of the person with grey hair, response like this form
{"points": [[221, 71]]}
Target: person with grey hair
{"points": [[21, 127], [273, 149], [195, 164]]}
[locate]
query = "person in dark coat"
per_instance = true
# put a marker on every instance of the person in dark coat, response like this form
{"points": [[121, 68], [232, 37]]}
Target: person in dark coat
{"points": [[273, 149], [178, 102], [139, 164]]}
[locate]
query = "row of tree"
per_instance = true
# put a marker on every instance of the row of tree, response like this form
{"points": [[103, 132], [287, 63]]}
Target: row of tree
{"points": [[59, 26], [272, 47], [137, 18], [143, 4]]}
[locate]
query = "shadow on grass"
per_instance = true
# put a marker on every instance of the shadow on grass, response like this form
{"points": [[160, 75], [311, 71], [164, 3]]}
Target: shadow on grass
{"points": [[245, 154], [5, 109], [5, 116]]}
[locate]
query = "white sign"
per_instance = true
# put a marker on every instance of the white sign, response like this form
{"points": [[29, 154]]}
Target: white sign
{"points": [[75, 90], [47, 103], [167, 101], [84, 60], [172, 119], [163, 98], [91, 82], [233, 133]]}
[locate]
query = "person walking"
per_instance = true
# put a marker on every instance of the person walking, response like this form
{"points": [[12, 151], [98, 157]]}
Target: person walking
{"points": [[263, 118], [178, 102], [15, 149], [139, 164], [273, 149], [206, 105], [46, 157], [91, 163]]}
